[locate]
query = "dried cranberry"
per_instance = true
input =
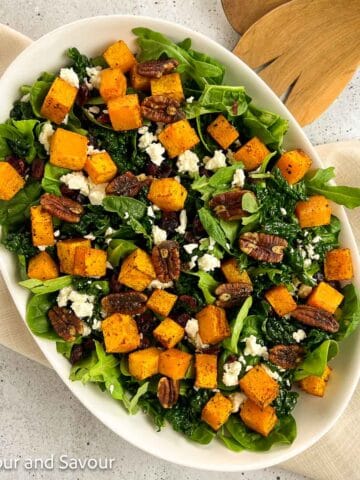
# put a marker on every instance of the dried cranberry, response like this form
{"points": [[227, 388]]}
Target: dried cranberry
{"points": [[182, 319], [145, 343], [78, 352], [115, 286], [189, 237], [83, 95], [81, 199], [197, 226], [165, 170], [68, 192], [231, 358], [103, 118], [20, 166], [146, 322], [169, 221], [204, 172], [37, 169], [214, 350], [188, 302], [151, 169]]}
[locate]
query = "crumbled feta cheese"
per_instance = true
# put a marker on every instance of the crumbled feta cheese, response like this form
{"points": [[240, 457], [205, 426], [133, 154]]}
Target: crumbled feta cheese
{"points": [[46, 133], [283, 211], [272, 373], [76, 181], [238, 178], [237, 399], [86, 330], [69, 75], [177, 178], [66, 119], [183, 223], [81, 304], [299, 335], [94, 109], [155, 152], [248, 368], [146, 140], [208, 262], [150, 212], [217, 161], [255, 349], [109, 231], [63, 296], [192, 263], [94, 74], [190, 247], [42, 248], [159, 235], [97, 193], [192, 333], [90, 236], [143, 130], [57, 233], [156, 208], [188, 162], [159, 285], [109, 266], [231, 373], [96, 325], [190, 99], [307, 263], [91, 150], [316, 239], [242, 359]]}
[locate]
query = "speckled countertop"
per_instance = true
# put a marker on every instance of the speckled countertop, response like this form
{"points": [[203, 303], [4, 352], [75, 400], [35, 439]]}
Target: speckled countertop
{"points": [[38, 415]]}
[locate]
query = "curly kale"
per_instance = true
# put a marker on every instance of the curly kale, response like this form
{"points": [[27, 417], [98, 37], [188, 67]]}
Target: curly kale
{"points": [[279, 330], [285, 402], [20, 243], [22, 111], [94, 221], [80, 62]]}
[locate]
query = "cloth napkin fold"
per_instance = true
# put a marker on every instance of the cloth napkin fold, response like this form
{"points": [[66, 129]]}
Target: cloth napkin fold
{"points": [[330, 458]]}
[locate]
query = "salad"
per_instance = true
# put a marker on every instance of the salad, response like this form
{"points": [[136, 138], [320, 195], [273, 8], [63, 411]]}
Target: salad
{"points": [[179, 257]]}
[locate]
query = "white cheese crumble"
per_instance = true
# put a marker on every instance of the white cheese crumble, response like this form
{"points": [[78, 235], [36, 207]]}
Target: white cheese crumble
{"points": [[42, 248], [46, 133], [237, 399], [192, 263], [109, 266], [94, 109], [177, 178], [231, 373], [94, 74], [96, 325], [299, 335], [91, 150], [57, 233], [190, 99], [97, 193], [181, 229], [255, 349], [217, 161], [66, 119], [188, 162], [76, 181], [81, 303], [70, 77], [316, 239], [146, 139], [283, 211], [155, 152], [192, 333], [159, 235], [160, 285], [190, 247], [86, 330], [272, 373], [150, 212], [90, 236], [109, 231], [238, 178], [208, 262]]}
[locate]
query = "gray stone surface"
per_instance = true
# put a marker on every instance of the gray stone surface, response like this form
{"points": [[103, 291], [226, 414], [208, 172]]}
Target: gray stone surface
{"points": [[38, 415]]}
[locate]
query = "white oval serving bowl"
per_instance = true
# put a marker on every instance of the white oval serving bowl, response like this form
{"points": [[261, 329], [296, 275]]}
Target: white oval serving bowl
{"points": [[314, 416]]}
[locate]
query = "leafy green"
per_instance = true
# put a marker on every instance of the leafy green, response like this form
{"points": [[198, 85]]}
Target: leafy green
{"points": [[350, 312], [36, 315], [207, 285], [315, 362], [51, 179], [134, 402], [213, 228], [39, 90], [90, 286], [20, 242], [236, 325], [80, 62], [21, 111], [219, 182], [17, 210], [93, 221], [279, 330], [119, 249], [18, 137], [285, 402], [125, 207], [46, 286]]}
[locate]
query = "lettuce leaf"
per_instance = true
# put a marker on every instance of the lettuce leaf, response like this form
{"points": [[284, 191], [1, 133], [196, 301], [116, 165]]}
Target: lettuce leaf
{"points": [[315, 362], [350, 312]]}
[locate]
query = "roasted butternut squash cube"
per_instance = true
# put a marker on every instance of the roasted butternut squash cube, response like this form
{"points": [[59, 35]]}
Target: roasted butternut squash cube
{"points": [[66, 252], [169, 85], [42, 229], [294, 165], [222, 132], [89, 262], [118, 55], [144, 363], [169, 333], [137, 270], [161, 302], [178, 137], [58, 101], [120, 333], [213, 325], [233, 273], [112, 83], [281, 300], [252, 154], [259, 386], [174, 363], [216, 411], [10, 181], [316, 385], [261, 420], [167, 194], [100, 167], [139, 82], [206, 370], [124, 112], [68, 149], [42, 267], [338, 264], [314, 212], [326, 297]]}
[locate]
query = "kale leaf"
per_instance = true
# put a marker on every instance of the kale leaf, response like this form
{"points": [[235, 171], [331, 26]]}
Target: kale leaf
{"points": [[80, 62], [20, 242]]}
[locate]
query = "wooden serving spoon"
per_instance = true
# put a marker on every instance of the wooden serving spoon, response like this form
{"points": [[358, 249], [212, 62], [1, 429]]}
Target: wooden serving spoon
{"points": [[308, 49]]}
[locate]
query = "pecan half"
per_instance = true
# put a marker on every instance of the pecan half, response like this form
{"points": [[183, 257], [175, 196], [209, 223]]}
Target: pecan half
{"points": [[166, 261], [232, 294], [65, 323], [286, 356], [162, 108], [263, 247], [129, 303], [156, 68], [228, 205], [168, 391], [315, 317], [127, 184], [62, 207]]}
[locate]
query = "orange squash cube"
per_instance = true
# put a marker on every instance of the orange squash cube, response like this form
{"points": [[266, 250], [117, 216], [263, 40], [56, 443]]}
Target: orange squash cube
{"points": [[42, 229], [178, 137], [167, 194], [261, 420], [144, 363], [124, 112], [233, 273], [161, 302], [281, 300], [213, 325], [42, 267], [89, 262], [68, 149], [259, 386], [58, 101], [338, 264], [217, 411], [326, 297], [294, 165], [169, 85], [314, 212], [10, 181], [206, 370], [120, 333], [139, 82], [316, 385], [118, 55], [174, 363], [252, 154], [222, 132], [112, 83], [137, 270], [100, 167], [169, 333], [66, 252]]}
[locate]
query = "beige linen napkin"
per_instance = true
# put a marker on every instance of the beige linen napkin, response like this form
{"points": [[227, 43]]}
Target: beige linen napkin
{"points": [[334, 456]]}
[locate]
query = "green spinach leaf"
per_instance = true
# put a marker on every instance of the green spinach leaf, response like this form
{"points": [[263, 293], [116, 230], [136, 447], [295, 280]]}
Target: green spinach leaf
{"points": [[236, 326], [315, 362]]}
